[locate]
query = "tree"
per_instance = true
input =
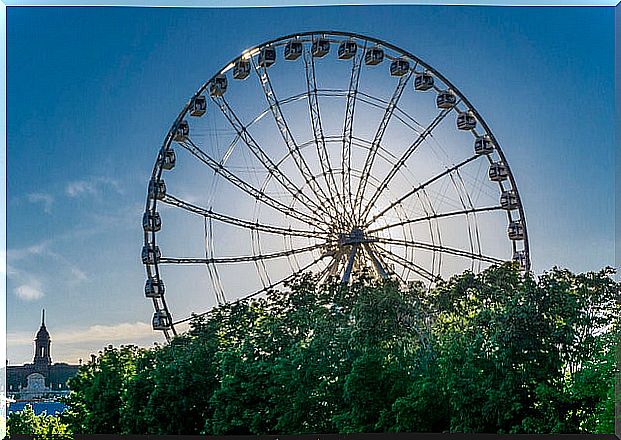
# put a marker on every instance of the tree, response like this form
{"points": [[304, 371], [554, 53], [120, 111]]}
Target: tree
{"points": [[497, 352], [42, 426]]}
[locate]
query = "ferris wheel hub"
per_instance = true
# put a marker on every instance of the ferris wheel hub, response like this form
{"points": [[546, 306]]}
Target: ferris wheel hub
{"points": [[356, 236]]}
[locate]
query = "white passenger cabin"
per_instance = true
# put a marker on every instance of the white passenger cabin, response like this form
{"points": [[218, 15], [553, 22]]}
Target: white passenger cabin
{"points": [[509, 200], [498, 172], [320, 47], [373, 56], [198, 106], [446, 99], [182, 131], [154, 288], [241, 69], [483, 145], [218, 86], [169, 159], [150, 254], [161, 320], [466, 121], [516, 230], [423, 81], [399, 67], [293, 50], [347, 49], [267, 56], [157, 189], [151, 221]]}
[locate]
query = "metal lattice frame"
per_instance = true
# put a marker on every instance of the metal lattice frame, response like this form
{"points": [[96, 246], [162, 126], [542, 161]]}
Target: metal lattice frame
{"points": [[345, 223]]}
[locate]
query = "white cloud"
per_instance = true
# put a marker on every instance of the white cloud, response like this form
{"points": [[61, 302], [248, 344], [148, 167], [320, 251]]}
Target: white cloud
{"points": [[47, 200], [75, 274], [79, 187], [28, 251], [29, 292], [78, 275], [92, 186]]}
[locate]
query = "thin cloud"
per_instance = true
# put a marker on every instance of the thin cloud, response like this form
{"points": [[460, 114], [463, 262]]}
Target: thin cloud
{"points": [[29, 292], [47, 200], [28, 251], [92, 186], [71, 344]]}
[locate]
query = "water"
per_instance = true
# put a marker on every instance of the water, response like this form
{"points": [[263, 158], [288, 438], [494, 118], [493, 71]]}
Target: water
{"points": [[51, 408]]}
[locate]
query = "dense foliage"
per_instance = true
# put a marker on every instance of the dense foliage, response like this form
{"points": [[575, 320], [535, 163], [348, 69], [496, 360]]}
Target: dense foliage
{"points": [[493, 352], [42, 426]]}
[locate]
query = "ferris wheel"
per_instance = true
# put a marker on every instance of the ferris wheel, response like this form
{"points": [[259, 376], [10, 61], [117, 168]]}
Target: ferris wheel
{"points": [[327, 152]]}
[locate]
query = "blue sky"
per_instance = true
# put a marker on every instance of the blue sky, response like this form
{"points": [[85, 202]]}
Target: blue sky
{"points": [[91, 93]]}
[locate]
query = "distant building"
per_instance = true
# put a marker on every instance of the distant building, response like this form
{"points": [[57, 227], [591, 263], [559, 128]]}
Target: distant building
{"points": [[41, 379]]}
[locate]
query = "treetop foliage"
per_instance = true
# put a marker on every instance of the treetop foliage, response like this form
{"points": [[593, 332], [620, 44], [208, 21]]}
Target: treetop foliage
{"points": [[496, 352]]}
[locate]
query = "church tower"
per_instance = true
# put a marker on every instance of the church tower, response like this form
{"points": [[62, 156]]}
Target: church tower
{"points": [[42, 345]]}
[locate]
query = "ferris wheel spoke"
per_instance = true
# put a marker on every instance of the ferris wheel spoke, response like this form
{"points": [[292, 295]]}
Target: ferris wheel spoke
{"points": [[246, 187], [377, 140], [402, 116], [264, 290], [263, 157], [436, 216], [209, 213], [287, 136], [320, 142], [441, 248], [419, 140], [244, 259], [348, 127], [421, 271], [378, 264], [418, 188]]}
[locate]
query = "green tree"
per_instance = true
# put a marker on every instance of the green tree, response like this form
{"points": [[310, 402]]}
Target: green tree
{"points": [[42, 426]]}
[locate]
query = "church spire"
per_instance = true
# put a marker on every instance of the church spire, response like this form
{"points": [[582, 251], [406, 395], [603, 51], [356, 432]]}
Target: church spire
{"points": [[42, 344]]}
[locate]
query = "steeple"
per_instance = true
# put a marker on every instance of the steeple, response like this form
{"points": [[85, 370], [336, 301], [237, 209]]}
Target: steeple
{"points": [[42, 344]]}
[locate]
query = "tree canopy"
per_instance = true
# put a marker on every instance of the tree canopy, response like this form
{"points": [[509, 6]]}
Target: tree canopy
{"points": [[495, 352]]}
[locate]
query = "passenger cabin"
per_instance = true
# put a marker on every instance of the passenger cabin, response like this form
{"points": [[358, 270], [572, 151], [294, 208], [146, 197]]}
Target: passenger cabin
{"points": [[347, 49], [267, 56], [446, 99], [498, 172], [217, 87], [150, 254], [508, 200], [157, 189], [373, 56], [241, 69], [182, 132], [198, 106], [423, 81], [151, 221], [466, 121], [161, 320], [154, 288], [520, 258], [169, 159], [516, 230], [293, 50], [320, 47], [483, 145], [399, 67]]}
